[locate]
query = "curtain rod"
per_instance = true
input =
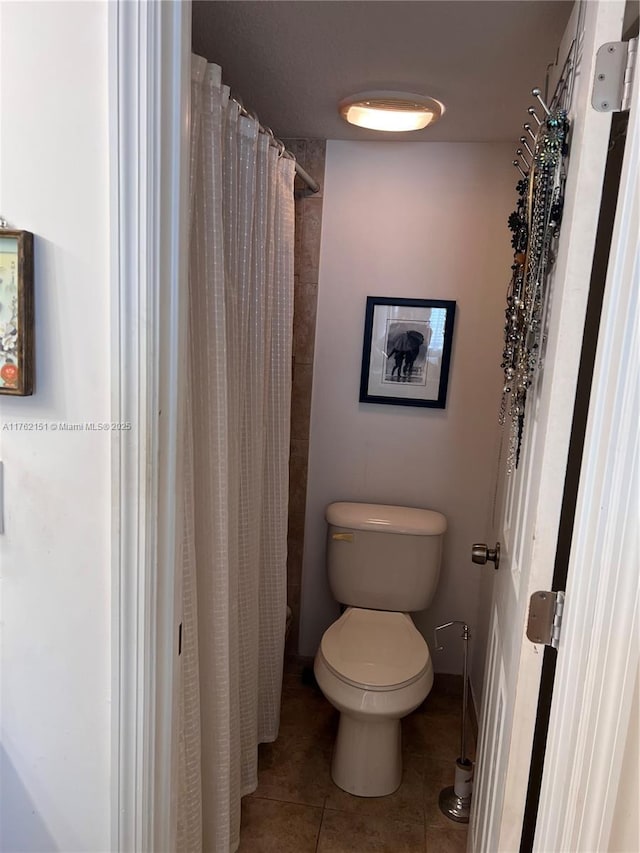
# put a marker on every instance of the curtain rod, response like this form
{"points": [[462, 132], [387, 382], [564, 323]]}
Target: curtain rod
{"points": [[313, 185]]}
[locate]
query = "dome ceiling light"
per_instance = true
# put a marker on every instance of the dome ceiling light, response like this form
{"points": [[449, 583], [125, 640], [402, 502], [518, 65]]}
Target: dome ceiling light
{"points": [[391, 111]]}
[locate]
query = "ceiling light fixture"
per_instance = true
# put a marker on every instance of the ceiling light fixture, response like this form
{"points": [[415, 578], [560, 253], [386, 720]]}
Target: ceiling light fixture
{"points": [[391, 111]]}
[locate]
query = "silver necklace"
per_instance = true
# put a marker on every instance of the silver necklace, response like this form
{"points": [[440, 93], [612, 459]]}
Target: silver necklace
{"points": [[535, 225]]}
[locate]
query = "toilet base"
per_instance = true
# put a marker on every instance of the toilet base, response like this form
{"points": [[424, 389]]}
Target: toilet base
{"points": [[367, 757]]}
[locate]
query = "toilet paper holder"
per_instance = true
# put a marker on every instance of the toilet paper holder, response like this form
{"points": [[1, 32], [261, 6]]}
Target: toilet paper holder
{"points": [[455, 801]]}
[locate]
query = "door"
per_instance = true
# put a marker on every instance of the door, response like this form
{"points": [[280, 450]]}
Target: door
{"points": [[590, 784], [532, 495]]}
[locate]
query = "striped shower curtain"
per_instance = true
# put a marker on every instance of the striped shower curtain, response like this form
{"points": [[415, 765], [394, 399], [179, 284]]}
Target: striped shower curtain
{"points": [[236, 461]]}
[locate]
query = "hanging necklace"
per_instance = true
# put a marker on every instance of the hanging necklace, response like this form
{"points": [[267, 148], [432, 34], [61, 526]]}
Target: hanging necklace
{"points": [[535, 225]]}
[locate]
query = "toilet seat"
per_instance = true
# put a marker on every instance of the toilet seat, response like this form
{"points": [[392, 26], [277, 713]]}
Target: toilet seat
{"points": [[375, 649]]}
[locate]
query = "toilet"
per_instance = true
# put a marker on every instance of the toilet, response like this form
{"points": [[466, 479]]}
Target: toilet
{"points": [[373, 664]]}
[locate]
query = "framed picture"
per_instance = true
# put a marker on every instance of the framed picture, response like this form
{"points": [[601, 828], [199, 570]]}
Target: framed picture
{"points": [[407, 351], [16, 312]]}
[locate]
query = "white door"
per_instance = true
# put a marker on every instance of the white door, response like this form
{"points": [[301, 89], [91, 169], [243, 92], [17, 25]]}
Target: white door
{"points": [[590, 786], [529, 522]]}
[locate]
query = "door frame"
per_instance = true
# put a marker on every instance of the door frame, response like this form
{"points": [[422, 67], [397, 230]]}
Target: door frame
{"points": [[149, 83], [149, 49]]}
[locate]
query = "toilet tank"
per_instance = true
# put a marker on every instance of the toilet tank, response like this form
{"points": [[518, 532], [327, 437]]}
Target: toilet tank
{"points": [[384, 557]]}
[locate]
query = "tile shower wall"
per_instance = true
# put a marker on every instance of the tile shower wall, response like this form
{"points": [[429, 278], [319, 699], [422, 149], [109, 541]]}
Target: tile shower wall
{"points": [[311, 155]]}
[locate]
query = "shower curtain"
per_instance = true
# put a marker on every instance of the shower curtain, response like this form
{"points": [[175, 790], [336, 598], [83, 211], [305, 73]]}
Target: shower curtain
{"points": [[236, 461]]}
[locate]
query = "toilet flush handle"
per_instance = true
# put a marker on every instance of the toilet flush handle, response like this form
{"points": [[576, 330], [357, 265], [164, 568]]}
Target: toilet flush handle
{"points": [[342, 537], [481, 554]]}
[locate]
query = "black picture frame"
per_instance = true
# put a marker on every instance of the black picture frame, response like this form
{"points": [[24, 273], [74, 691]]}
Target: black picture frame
{"points": [[406, 352]]}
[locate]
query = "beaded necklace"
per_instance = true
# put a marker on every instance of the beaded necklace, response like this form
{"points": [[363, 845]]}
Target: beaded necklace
{"points": [[535, 225]]}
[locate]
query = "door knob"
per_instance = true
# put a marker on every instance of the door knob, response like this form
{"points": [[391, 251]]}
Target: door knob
{"points": [[481, 554]]}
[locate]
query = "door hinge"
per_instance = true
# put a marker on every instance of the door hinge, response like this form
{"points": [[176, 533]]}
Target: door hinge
{"points": [[615, 62], [545, 618]]}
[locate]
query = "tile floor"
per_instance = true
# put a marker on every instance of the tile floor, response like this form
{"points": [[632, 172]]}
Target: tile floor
{"points": [[298, 809]]}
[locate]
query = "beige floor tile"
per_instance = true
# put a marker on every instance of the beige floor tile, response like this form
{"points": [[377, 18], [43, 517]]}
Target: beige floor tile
{"points": [[306, 710], [445, 699], [294, 769], [269, 826], [446, 841], [432, 735], [345, 832], [442, 700], [294, 781], [407, 803]]}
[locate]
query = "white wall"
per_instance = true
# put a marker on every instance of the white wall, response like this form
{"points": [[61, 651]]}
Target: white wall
{"points": [[55, 551], [422, 220]]}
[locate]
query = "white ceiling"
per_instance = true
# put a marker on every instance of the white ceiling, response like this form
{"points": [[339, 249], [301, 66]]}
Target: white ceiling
{"points": [[293, 61]]}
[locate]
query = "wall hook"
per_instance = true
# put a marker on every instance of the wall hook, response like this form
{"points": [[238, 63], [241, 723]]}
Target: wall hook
{"points": [[523, 139], [538, 94], [519, 168], [532, 112]]}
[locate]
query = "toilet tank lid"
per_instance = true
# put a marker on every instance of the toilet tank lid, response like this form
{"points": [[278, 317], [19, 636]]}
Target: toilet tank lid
{"points": [[386, 519]]}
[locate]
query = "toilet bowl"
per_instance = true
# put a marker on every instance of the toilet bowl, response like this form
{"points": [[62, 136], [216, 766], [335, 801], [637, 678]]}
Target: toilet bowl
{"points": [[375, 668], [373, 664]]}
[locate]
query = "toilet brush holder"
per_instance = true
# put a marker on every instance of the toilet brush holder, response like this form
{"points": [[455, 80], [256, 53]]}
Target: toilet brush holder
{"points": [[455, 802]]}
